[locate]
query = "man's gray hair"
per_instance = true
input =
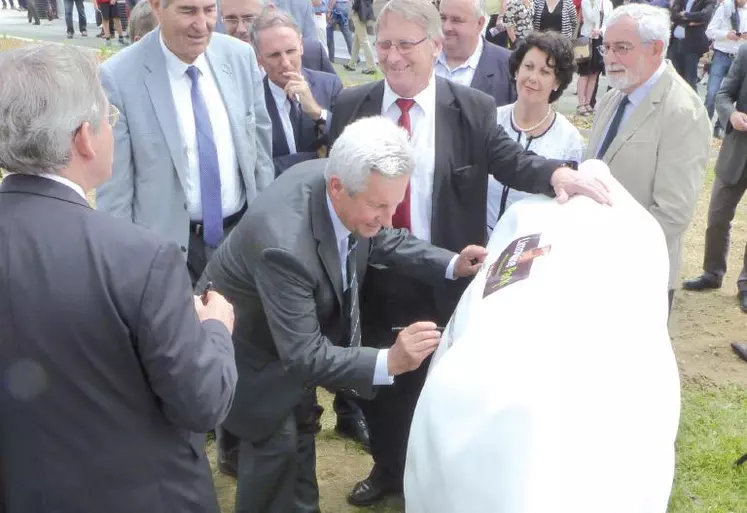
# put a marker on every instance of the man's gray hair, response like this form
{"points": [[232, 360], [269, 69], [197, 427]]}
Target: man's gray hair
{"points": [[420, 12], [653, 22], [373, 144], [270, 18], [142, 20], [46, 93]]}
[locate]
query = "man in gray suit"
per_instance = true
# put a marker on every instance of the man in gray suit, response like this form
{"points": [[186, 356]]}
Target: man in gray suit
{"points": [[729, 184], [292, 268], [193, 147], [110, 366]]}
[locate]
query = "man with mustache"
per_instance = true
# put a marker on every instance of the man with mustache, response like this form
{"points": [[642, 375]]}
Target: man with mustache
{"points": [[651, 129]]}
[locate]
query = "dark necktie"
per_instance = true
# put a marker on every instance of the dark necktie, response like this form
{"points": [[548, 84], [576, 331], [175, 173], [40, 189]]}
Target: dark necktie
{"points": [[295, 119], [351, 294], [212, 211], [401, 217], [614, 127]]}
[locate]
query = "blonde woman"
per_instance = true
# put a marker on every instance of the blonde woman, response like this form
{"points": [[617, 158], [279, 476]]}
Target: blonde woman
{"points": [[593, 13]]}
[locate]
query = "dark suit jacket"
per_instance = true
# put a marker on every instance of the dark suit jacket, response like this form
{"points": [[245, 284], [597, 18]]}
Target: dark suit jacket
{"points": [[325, 88], [281, 270], [314, 57], [732, 158], [470, 145], [492, 76], [695, 40], [107, 370]]}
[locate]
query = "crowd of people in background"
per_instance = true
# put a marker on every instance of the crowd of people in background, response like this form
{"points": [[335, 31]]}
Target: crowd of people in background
{"points": [[205, 125]]}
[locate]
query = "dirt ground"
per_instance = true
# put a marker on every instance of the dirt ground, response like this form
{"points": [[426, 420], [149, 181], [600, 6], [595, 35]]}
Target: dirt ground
{"points": [[702, 327]]}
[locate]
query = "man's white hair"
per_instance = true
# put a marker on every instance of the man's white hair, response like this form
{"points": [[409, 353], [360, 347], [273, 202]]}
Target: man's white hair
{"points": [[653, 22], [421, 12], [369, 145]]}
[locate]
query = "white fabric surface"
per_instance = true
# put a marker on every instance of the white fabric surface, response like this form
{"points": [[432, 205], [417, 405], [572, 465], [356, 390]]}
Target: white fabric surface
{"points": [[560, 392]]}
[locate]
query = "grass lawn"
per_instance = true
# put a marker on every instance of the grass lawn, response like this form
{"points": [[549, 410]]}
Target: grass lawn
{"points": [[713, 428]]}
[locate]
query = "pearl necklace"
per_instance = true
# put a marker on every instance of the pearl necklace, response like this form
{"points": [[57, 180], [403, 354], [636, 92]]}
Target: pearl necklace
{"points": [[531, 128]]}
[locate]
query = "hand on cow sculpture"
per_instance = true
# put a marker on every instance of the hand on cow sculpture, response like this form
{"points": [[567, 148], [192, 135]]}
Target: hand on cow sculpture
{"points": [[413, 345]]}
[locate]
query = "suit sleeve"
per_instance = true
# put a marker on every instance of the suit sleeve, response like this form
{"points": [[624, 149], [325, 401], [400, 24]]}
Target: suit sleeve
{"points": [[190, 365], [286, 289], [680, 169], [326, 64], [702, 16], [264, 170], [336, 90], [514, 167], [728, 93], [406, 254], [117, 194]]}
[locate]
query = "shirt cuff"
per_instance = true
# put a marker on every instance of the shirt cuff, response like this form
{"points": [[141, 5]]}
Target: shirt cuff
{"points": [[450, 268], [381, 371]]}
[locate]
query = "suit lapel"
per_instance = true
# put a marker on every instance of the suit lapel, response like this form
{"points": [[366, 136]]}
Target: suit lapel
{"points": [[641, 113], [447, 133], [371, 103], [279, 141], [324, 233], [483, 77], [601, 121], [226, 82], [159, 89]]}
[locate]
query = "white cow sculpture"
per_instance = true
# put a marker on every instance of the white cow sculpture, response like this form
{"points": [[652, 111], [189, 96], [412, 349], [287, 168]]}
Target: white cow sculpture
{"points": [[555, 388]]}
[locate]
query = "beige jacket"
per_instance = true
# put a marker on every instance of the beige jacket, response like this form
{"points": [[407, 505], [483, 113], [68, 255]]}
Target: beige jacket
{"points": [[660, 155]]}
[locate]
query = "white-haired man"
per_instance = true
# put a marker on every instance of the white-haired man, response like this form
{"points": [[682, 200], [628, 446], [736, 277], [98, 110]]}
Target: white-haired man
{"points": [[291, 269], [467, 58], [111, 368], [651, 129], [458, 144]]}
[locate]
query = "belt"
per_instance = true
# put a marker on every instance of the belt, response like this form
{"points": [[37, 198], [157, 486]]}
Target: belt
{"points": [[196, 227], [729, 55]]}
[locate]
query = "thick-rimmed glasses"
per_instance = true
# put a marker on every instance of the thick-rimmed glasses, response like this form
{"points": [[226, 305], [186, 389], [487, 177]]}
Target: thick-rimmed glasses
{"points": [[402, 47]]}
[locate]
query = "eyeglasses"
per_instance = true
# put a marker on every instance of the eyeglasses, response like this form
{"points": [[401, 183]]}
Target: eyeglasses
{"points": [[619, 49], [233, 21], [113, 115], [402, 46]]}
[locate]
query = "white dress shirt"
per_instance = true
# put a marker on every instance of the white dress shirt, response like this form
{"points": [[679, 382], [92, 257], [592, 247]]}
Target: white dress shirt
{"points": [[720, 25], [283, 104], [232, 191], [465, 72], [381, 371], [634, 100], [64, 181], [423, 124]]}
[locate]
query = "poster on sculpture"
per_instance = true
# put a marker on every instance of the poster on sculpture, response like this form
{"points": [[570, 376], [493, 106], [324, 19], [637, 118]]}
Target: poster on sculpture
{"points": [[514, 263]]}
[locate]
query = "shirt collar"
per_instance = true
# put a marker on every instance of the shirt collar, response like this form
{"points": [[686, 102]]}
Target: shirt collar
{"points": [[176, 67], [471, 63], [426, 98], [64, 181], [341, 233], [277, 93], [637, 96]]}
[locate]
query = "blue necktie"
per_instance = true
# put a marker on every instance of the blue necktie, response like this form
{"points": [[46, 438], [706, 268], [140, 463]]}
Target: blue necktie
{"points": [[353, 310], [212, 211]]}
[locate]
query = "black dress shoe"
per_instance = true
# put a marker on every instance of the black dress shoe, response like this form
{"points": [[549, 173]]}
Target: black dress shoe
{"points": [[741, 350], [355, 430], [742, 295], [368, 493], [702, 282]]}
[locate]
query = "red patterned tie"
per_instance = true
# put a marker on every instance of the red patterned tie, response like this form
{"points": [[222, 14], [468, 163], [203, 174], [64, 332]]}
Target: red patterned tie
{"points": [[401, 217]]}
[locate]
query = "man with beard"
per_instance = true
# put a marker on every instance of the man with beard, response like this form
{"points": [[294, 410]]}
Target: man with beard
{"points": [[651, 128]]}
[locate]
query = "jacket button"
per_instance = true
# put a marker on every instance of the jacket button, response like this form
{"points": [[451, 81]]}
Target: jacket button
{"points": [[185, 206], [184, 250]]}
